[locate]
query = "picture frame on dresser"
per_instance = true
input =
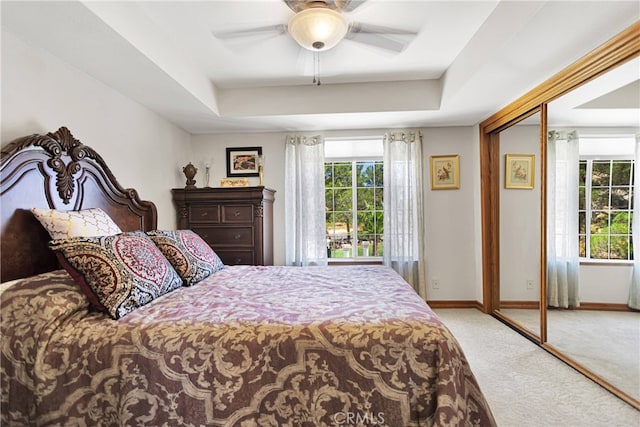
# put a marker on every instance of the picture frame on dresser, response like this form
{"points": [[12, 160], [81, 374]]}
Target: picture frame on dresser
{"points": [[243, 161]]}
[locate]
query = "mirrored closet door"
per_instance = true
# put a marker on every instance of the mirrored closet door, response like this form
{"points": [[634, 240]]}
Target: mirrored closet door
{"points": [[558, 250]]}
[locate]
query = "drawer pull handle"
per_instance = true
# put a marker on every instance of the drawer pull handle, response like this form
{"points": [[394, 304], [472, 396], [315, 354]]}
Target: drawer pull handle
{"points": [[204, 214], [236, 213], [237, 236]]}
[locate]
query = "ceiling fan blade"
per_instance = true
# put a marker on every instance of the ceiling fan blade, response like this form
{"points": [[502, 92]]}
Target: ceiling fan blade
{"points": [[278, 29], [377, 36], [346, 5], [339, 5], [357, 27]]}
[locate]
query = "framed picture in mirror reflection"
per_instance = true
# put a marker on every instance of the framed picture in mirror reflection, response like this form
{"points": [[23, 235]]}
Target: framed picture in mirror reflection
{"points": [[519, 171]]}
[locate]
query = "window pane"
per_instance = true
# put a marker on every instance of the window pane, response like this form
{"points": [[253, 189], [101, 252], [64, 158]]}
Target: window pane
{"points": [[620, 222], [583, 173], [343, 199], [366, 245], [328, 174], [343, 223], [619, 247], [599, 198], [582, 249], [379, 222], [366, 223], [328, 197], [379, 202], [601, 173], [342, 174], [582, 222], [379, 174], [366, 199], [330, 224], [621, 172], [620, 198], [600, 247], [582, 200], [365, 174], [599, 222]]}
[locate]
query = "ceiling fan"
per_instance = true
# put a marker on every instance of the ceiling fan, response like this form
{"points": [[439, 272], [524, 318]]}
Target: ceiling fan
{"points": [[319, 25]]}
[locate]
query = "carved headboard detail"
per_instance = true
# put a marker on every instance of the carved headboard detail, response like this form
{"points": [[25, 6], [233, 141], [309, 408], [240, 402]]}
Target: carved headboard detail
{"points": [[59, 172]]}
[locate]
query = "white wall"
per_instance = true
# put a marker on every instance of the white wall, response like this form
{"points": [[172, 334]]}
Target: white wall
{"points": [[520, 220], [605, 283], [41, 93], [452, 220]]}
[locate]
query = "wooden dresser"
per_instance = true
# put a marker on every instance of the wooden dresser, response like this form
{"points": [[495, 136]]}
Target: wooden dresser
{"points": [[236, 222]]}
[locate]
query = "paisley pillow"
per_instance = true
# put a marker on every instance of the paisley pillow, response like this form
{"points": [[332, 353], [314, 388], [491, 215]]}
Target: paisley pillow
{"points": [[118, 273], [83, 223], [192, 257]]}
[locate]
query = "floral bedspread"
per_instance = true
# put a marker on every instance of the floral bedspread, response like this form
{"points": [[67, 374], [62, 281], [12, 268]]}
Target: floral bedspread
{"points": [[249, 346]]}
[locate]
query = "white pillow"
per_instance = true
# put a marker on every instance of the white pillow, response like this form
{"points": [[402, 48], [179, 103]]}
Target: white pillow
{"points": [[85, 223]]}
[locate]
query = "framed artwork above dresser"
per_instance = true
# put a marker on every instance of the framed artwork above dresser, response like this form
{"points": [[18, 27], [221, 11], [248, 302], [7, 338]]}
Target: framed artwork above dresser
{"points": [[236, 222]]}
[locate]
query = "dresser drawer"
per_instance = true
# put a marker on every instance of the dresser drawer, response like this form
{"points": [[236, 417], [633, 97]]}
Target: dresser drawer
{"points": [[227, 236], [236, 257], [237, 214], [204, 213]]}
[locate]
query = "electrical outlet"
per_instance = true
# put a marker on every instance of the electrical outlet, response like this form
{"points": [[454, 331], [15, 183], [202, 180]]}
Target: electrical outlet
{"points": [[435, 283], [529, 284]]}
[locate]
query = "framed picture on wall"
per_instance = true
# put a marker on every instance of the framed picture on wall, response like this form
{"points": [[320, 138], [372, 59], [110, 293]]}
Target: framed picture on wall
{"points": [[243, 161], [519, 171], [445, 172]]}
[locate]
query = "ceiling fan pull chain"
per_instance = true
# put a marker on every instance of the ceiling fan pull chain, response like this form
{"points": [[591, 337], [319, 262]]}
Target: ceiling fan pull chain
{"points": [[316, 68]]}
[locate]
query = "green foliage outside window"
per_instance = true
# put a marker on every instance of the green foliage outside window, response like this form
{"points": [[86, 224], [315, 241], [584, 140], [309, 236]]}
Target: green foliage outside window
{"points": [[354, 208], [606, 209]]}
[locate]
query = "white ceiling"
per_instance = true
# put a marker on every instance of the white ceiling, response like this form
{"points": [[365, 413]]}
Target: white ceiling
{"points": [[468, 59]]}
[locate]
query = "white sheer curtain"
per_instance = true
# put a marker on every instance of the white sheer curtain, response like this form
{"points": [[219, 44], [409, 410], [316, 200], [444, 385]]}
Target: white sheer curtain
{"points": [[634, 290], [563, 264], [403, 208], [306, 234]]}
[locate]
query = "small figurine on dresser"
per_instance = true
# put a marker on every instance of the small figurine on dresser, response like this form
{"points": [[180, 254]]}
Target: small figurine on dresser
{"points": [[190, 172]]}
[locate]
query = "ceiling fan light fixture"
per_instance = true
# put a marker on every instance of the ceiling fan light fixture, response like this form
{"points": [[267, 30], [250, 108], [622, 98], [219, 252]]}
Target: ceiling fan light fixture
{"points": [[318, 28]]}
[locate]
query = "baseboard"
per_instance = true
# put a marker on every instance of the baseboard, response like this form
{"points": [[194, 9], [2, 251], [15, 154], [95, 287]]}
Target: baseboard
{"points": [[528, 305], [603, 306], [454, 304]]}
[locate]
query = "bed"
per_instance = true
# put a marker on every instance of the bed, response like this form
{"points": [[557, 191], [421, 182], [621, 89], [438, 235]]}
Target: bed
{"points": [[245, 346]]}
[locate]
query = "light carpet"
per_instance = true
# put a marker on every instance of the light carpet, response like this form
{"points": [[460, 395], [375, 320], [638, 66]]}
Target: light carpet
{"points": [[525, 385], [605, 342]]}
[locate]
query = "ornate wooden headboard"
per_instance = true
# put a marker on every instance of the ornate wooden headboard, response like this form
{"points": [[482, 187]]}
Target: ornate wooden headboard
{"points": [[56, 171]]}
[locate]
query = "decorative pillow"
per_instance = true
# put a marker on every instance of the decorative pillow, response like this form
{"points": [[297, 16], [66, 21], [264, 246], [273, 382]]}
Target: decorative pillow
{"points": [[117, 273], [191, 256], [84, 223]]}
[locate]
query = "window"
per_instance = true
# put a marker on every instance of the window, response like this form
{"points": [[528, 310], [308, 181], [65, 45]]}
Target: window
{"points": [[605, 207], [353, 174]]}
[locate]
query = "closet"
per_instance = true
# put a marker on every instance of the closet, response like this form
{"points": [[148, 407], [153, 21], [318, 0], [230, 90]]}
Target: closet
{"points": [[515, 218]]}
